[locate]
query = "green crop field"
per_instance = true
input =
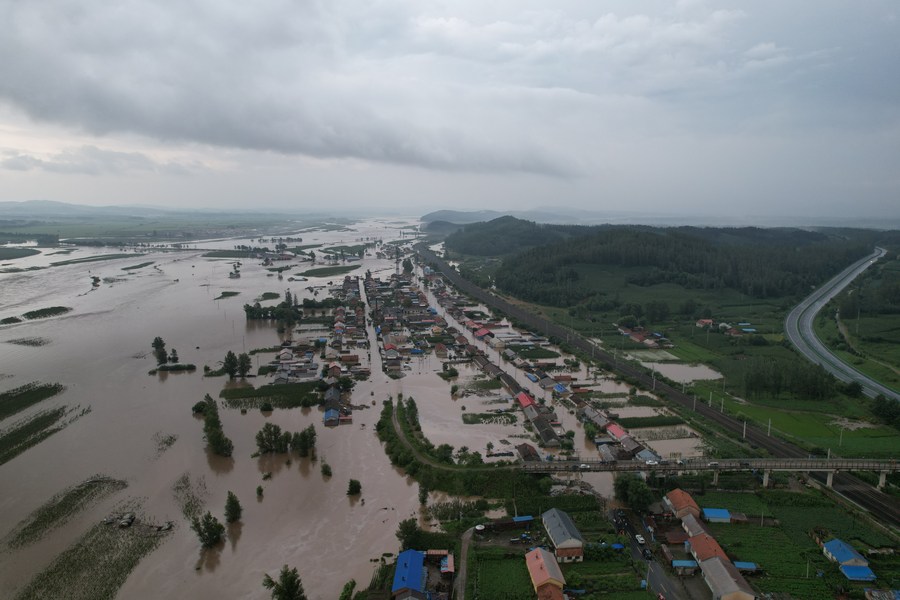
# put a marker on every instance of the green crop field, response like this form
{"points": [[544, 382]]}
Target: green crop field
{"points": [[329, 271], [498, 574]]}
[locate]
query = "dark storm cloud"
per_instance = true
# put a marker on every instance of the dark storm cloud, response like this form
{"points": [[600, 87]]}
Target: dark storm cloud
{"points": [[679, 103]]}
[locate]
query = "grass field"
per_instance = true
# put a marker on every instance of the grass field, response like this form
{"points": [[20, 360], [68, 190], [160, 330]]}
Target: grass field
{"points": [[13, 253], [138, 266], [223, 295], [22, 397], [499, 574], [43, 313], [94, 567], [32, 431], [60, 508], [329, 271], [878, 344]]}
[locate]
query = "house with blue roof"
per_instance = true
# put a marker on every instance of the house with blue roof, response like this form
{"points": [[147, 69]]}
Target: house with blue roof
{"points": [[408, 573], [857, 573], [843, 553], [716, 515]]}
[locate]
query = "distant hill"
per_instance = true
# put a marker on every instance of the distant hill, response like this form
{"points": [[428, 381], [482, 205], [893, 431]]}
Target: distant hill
{"points": [[441, 228], [54, 209], [508, 235], [462, 217]]}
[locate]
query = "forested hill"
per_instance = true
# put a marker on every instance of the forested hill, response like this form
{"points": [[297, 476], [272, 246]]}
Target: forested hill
{"points": [[508, 235], [762, 263]]}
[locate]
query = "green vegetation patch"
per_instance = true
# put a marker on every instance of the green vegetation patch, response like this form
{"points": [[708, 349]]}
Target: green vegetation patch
{"points": [[138, 266], [87, 259], [30, 341], [190, 495], [61, 508], [499, 573], [288, 395], [223, 295], [268, 296], [32, 431], [534, 352], [22, 397], [486, 384], [329, 271], [228, 254], [488, 418], [43, 313], [11, 253], [655, 421], [96, 566], [10, 320]]}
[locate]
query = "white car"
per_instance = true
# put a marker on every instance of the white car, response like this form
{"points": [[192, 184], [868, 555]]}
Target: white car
{"points": [[584, 467], [639, 539], [652, 463]]}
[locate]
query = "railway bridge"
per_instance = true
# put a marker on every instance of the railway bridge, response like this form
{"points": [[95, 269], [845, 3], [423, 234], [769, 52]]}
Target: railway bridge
{"points": [[829, 466]]}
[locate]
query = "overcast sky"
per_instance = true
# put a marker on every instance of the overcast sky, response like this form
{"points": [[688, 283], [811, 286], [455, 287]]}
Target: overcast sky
{"points": [[721, 108]]}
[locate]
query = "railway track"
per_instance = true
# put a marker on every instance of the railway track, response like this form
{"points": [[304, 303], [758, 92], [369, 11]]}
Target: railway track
{"points": [[879, 504]]}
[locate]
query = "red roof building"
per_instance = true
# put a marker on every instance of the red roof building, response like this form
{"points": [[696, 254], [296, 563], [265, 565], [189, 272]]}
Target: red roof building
{"points": [[704, 547], [524, 399], [681, 503]]}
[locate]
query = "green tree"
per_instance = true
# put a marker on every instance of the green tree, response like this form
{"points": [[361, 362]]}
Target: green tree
{"points": [[159, 351], [407, 533], [244, 364], [423, 494], [233, 508], [230, 364], [208, 529], [407, 265], [287, 587], [173, 356], [354, 488], [268, 439], [326, 469]]}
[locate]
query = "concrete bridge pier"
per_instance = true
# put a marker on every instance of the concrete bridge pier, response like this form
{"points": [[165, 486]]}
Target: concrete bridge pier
{"points": [[829, 480], [766, 478], [882, 480], [715, 477]]}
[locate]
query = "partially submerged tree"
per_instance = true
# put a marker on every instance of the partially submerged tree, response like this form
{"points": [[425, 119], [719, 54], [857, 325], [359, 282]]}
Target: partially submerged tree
{"points": [[287, 587], [230, 364], [233, 508], [354, 488], [244, 364], [208, 529]]}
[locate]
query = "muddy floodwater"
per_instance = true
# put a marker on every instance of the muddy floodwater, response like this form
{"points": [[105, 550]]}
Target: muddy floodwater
{"points": [[101, 352]]}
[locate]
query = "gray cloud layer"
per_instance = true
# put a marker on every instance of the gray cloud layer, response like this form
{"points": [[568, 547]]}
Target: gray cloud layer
{"points": [[597, 92]]}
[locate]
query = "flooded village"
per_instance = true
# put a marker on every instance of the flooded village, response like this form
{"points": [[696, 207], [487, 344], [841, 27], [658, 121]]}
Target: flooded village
{"points": [[342, 333]]}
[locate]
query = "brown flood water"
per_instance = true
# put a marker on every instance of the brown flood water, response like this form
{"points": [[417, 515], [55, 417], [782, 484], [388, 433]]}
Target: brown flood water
{"points": [[101, 353]]}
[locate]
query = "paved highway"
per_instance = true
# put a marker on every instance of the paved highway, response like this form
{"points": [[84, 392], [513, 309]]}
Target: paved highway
{"points": [[718, 464], [799, 329]]}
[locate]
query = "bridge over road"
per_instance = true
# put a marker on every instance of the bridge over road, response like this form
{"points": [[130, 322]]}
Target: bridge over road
{"points": [[766, 465]]}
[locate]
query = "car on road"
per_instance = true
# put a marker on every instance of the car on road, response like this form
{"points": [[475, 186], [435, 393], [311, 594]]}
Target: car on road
{"points": [[584, 467], [651, 463], [679, 462], [640, 539], [714, 463], [647, 554]]}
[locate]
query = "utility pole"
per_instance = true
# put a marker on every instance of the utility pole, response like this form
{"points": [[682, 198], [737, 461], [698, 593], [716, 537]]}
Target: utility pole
{"points": [[769, 434]]}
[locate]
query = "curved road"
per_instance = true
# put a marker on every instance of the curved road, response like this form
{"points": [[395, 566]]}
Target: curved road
{"points": [[798, 327]]}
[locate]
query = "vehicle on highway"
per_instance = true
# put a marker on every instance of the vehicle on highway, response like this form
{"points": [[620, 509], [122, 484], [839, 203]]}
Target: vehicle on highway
{"points": [[714, 463], [651, 463], [679, 462], [647, 554], [584, 467], [640, 539]]}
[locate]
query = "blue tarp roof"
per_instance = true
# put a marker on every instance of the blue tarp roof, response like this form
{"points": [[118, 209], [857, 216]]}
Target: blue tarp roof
{"points": [[857, 573], [745, 566], [331, 414], [532, 377], [523, 519], [560, 388], [416, 351], [619, 546], [409, 571], [842, 551], [716, 513], [684, 563]]}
